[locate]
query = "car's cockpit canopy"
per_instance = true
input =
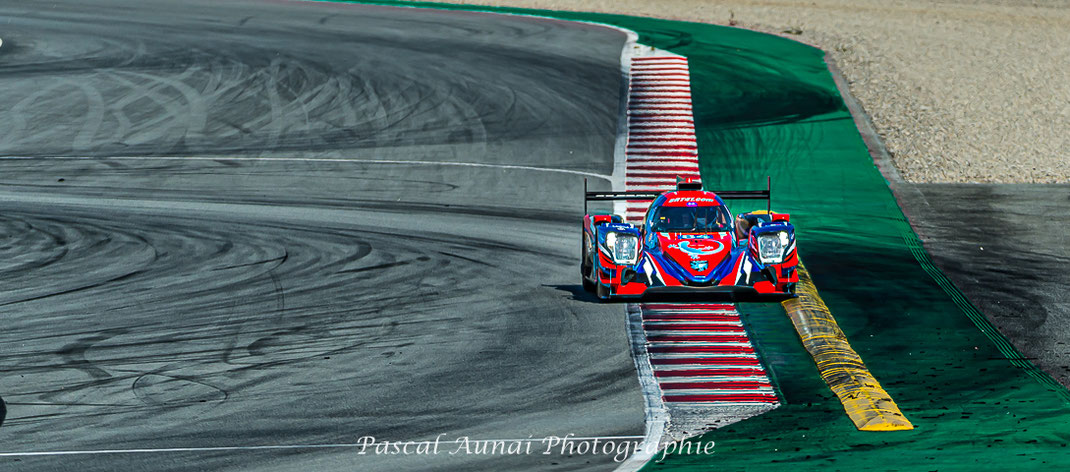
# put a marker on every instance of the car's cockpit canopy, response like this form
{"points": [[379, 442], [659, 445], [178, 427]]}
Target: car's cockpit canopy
{"points": [[691, 219]]}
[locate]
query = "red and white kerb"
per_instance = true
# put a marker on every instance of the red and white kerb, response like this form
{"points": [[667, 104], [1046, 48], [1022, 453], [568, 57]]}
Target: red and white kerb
{"points": [[700, 353], [661, 128]]}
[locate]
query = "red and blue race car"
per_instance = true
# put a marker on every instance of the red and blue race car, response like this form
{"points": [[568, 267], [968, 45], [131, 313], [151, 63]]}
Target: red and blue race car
{"points": [[689, 243]]}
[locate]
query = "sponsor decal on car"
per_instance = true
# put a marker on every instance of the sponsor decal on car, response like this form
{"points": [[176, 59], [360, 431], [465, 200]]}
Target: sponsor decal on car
{"points": [[697, 248], [691, 199]]}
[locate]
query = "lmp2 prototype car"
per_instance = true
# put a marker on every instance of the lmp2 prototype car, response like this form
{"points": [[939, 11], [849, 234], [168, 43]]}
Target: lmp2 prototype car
{"points": [[688, 243]]}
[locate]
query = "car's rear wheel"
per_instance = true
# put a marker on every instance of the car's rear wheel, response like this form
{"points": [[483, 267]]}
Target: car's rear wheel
{"points": [[587, 267], [588, 285]]}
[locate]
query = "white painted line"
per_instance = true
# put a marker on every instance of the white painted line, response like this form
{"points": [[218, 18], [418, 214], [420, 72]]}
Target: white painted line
{"points": [[679, 131], [669, 103], [659, 148], [653, 94], [715, 378], [678, 367], [653, 182], [660, 107], [662, 69], [647, 85], [661, 63], [698, 344], [666, 155], [687, 120], [659, 164], [663, 130], [666, 140], [667, 132], [682, 125], [660, 113], [662, 110], [690, 333], [639, 105], [669, 181], [660, 158], [663, 169], [658, 86], [313, 159], [671, 322], [673, 319], [669, 107], [664, 145], [669, 139], [683, 92], [664, 115], [653, 75], [663, 56], [677, 162], [651, 188], [657, 417], [728, 405], [638, 89], [660, 81], [684, 329], [712, 356], [642, 125], [681, 101], [654, 145], [718, 391]]}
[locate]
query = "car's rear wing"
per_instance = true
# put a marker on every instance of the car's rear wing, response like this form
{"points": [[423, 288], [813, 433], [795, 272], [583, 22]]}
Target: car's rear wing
{"points": [[589, 196]]}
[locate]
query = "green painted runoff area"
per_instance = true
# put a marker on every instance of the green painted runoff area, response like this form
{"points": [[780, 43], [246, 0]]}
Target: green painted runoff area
{"points": [[765, 105]]}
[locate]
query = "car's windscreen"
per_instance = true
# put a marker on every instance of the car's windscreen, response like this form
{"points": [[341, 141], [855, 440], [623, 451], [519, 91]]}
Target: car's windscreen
{"points": [[699, 219]]}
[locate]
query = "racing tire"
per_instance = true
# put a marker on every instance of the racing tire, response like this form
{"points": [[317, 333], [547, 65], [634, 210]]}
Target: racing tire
{"points": [[588, 286], [586, 269]]}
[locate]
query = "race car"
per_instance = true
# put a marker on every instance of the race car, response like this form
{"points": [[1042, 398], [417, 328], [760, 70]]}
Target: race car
{"points": [[688, 243]]}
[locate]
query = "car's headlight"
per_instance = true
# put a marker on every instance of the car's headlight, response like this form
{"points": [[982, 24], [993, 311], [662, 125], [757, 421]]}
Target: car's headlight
{"points": [[771, 247], [623, 247]]}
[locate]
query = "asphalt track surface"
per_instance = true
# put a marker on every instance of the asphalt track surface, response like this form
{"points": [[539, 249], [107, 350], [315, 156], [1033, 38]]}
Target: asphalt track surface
{"points": [[156, 294], [1006, 247]]}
